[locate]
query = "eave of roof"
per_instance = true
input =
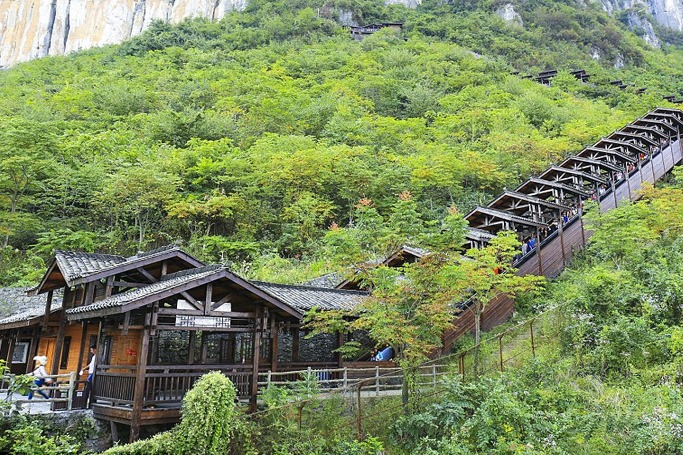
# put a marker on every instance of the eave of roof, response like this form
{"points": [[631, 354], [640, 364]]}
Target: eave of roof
{"points": [[170, 285], [304, 298], [567, 188], [504, 216], [574, 172]]}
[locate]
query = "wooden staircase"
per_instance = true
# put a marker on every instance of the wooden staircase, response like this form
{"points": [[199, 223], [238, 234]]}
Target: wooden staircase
{"points": [[611, 171]]}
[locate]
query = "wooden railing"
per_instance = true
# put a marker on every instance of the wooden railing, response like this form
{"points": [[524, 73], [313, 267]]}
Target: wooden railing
{"points": [[372, 379], [61, 391], [163, 384]]}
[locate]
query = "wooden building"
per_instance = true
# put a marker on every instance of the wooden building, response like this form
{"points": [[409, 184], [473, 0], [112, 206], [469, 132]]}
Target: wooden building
{"points": [[160, 320]]}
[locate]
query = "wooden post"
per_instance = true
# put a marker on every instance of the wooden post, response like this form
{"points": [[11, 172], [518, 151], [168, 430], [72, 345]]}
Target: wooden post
{"points": [[652, 166], [10, 348], [89, 293], [109, 287], [462, 366], [139, 391], [640, 170], [538, 252], [583, 232], [54, 368], [191, 347], [256, 355], [114, 431], [81, 348], [207, 298], [560, 223], [614, 194], [531, 332], [33, 350], [377, 379], [628, 184], [273, 344], [340, 342], [48, 309], [661, 152], [500, 351], [72, 388], [359, 417], [59, 344]]}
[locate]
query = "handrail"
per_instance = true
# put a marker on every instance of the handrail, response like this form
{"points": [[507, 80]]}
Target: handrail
{"points": [[68, 387]]}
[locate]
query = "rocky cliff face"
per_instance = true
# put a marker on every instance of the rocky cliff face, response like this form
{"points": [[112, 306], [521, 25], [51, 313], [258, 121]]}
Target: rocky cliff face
{"points": [[36, 28]]}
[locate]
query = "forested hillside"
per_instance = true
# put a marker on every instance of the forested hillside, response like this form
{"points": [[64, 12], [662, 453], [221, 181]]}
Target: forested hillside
{"points": [[273, 141]]}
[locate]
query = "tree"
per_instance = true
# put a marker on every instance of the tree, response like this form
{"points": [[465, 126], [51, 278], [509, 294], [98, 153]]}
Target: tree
{"points": [[410, 307], [137, 194], [490, 274]]}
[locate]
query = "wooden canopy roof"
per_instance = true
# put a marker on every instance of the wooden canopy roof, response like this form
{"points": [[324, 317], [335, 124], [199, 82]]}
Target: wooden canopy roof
{"points": [[192, 282], [565, 175], [644, 130], [522, 204], [488, 219], [583, 163], [70, 268], [606, 155], [625, 136], [544, 189]]}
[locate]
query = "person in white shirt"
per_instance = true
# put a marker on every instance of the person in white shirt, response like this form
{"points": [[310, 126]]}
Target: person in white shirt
{"points": [[91, 365]]}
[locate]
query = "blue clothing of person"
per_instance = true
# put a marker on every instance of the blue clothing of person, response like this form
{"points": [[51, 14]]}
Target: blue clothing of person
{"points": [[532, 243], [385, 354], [39, 383]]}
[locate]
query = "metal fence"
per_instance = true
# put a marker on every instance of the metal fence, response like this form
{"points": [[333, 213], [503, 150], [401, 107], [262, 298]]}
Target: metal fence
{"points": [[371, 397]]}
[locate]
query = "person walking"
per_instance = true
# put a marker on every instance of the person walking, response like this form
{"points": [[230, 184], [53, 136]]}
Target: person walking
{"points": [[40, 373]]}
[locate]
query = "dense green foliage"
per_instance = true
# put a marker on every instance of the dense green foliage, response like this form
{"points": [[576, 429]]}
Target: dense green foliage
{"points": [[247, 138], [611, 382], [210, 424]]}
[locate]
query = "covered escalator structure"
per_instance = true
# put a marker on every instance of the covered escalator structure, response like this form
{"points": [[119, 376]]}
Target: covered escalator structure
{"points": [[548, 208]]}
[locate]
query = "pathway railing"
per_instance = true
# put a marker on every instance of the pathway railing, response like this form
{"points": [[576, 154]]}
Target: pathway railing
{"points": [[61, 391]]}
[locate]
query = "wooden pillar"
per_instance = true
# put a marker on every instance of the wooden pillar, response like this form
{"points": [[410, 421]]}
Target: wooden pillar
{"points": [[671, 147], [10, 349], [48, 309], [652, 167], [191, 346], [33, 350], [59, 344], [340, 342], [628, 184], [89, 293], [538, 252], [583, 232], [273, 344], [81, 348], [207, 298], [661, 152], [614, 194], [258, 326], [560, 224], [139, 391], [109, 287], [640, 170]]}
